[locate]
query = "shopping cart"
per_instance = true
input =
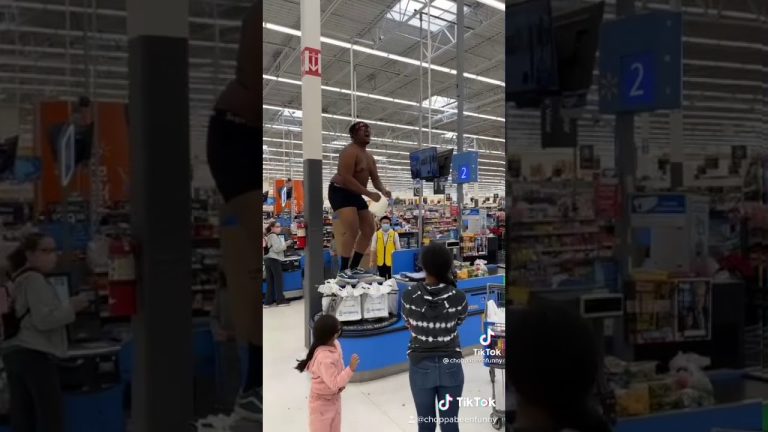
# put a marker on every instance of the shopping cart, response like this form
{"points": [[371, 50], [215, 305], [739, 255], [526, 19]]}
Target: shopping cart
{"points": [[494, 334]]}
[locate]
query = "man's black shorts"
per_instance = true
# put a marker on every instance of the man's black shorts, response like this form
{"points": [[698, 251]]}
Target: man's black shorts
{"points": [[234, 156], [342, 198]]}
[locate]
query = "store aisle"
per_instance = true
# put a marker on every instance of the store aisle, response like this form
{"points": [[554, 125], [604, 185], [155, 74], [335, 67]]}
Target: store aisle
{"points": [[383, 405]]}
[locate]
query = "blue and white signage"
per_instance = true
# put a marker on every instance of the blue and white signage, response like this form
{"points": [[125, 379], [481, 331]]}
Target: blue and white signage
{"points": [[659, 204], [66, 152], [641, 66], [464, 167]]}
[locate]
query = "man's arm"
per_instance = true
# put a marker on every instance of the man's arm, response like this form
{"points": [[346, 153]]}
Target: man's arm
{"points": [[376, 180], [345, 177]]}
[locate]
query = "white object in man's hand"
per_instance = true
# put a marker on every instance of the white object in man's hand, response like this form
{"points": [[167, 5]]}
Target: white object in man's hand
{"points": [[374, 196]]}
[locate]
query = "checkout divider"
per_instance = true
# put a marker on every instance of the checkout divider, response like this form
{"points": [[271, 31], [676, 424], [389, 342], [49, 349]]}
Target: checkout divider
{"points": [[384, 351]]}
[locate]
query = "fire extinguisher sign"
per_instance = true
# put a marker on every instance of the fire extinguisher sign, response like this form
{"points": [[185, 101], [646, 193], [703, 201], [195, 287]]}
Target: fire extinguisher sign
{"points": [[310, 62]]}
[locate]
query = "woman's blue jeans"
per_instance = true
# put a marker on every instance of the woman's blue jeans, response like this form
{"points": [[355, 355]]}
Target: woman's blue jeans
{"points": [[437, 380]]}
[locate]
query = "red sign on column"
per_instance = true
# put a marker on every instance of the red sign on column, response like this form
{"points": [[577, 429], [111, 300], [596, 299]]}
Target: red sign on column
{"points": [[310, 62]]}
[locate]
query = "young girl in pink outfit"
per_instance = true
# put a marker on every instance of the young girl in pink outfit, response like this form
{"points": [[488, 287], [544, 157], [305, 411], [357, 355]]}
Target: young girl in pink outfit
{"points": [[325, 362]]}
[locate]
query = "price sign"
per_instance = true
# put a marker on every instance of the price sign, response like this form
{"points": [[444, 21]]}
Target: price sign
{"points": [[641, 74]]}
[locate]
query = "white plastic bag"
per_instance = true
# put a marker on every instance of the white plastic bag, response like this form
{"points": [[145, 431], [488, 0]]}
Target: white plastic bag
{"points": [[350, 309], [376, 302], [480, 267], [493, 313], [379, 209], [695, 387]]}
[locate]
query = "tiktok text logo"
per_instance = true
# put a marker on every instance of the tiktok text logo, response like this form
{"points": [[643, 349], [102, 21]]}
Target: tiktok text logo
{"points": [[485, 339], [465, 402]]}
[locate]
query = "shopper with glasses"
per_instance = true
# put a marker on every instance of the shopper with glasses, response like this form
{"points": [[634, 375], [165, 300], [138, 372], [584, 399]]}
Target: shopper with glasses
{"points": [[30, 356], [274, 254]]}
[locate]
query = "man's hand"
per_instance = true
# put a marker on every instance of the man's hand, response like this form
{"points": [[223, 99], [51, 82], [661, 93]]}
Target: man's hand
{"points": [[374, 196], [387, 193]]}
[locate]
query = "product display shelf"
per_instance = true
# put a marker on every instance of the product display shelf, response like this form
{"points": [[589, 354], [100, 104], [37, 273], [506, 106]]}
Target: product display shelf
{"points": [[206, 252], [327, 228], [438, 222], [556, 232]]}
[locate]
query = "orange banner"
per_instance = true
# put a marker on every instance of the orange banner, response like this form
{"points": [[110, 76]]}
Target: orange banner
{"points": [[289, 194], [102, 134]]}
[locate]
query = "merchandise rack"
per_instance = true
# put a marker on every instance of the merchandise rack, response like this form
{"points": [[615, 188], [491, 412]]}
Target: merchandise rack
{"points": [[556, 233]]}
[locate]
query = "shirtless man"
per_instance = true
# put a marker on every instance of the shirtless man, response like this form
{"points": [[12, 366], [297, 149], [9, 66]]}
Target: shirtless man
{"points": [[235, 160], [346, 192]]}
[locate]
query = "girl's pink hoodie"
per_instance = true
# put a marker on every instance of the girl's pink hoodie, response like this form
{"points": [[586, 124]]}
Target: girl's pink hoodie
{"points": [[329, 375]]}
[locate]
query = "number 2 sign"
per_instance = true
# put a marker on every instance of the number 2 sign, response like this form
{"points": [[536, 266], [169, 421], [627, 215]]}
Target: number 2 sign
{"points": [[641, 73], [637, 82]]}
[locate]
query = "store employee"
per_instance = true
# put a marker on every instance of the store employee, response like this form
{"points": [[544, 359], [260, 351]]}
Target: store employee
{"points": [[383, 244]]}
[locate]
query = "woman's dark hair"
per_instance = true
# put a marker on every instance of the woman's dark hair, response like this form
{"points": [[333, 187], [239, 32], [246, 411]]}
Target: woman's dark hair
{"points": [[325, 329], [553, 365], [17, 259], [437, 262], [385, 217], [269, 227]]}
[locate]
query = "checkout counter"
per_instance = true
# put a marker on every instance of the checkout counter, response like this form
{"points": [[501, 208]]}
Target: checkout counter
{"points": [[384, 348], [93, 391], [293, 274]]}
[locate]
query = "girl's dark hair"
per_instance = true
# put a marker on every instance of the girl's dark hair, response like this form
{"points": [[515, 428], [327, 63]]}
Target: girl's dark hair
{"points": [[17, 259], [325, 329], [555, 368], [437, 262]]}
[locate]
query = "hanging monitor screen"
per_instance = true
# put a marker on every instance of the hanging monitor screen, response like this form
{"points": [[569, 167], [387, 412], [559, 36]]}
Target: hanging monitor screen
{"points": [[444, 163], [424, 164], [550, 54], [530, 51]]}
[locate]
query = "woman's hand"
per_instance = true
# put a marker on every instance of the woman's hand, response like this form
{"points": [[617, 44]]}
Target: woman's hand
{"points": [[80, 302]]}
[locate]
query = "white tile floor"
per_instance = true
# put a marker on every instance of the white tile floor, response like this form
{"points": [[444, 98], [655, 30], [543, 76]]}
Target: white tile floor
{"points": [[383, 405]]}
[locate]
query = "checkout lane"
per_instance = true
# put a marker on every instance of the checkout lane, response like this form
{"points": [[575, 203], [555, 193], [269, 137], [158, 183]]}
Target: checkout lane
{"points": [[385, 349], [293, 273]]}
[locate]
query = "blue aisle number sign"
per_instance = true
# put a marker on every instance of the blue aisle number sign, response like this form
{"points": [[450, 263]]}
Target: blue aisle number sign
{"points": [[641, 63], [465, 167]]}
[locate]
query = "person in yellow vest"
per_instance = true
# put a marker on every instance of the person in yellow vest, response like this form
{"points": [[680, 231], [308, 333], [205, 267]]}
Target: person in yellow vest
{"points": [[384, 242]]}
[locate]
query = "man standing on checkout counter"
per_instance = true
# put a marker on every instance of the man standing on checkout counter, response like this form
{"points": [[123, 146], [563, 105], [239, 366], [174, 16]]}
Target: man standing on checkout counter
{"points": [[346, 192], [235, 160]]}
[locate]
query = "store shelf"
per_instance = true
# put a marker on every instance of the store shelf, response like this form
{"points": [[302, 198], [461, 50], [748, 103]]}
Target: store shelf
{"points": [[553, 233]]}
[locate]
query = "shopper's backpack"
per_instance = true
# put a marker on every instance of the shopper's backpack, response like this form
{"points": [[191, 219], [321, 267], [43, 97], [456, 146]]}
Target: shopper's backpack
{"points": [[10, 320]]}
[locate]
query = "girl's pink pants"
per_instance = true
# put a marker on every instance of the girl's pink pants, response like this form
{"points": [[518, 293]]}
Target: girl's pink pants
{"points": [[324, 413]]}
